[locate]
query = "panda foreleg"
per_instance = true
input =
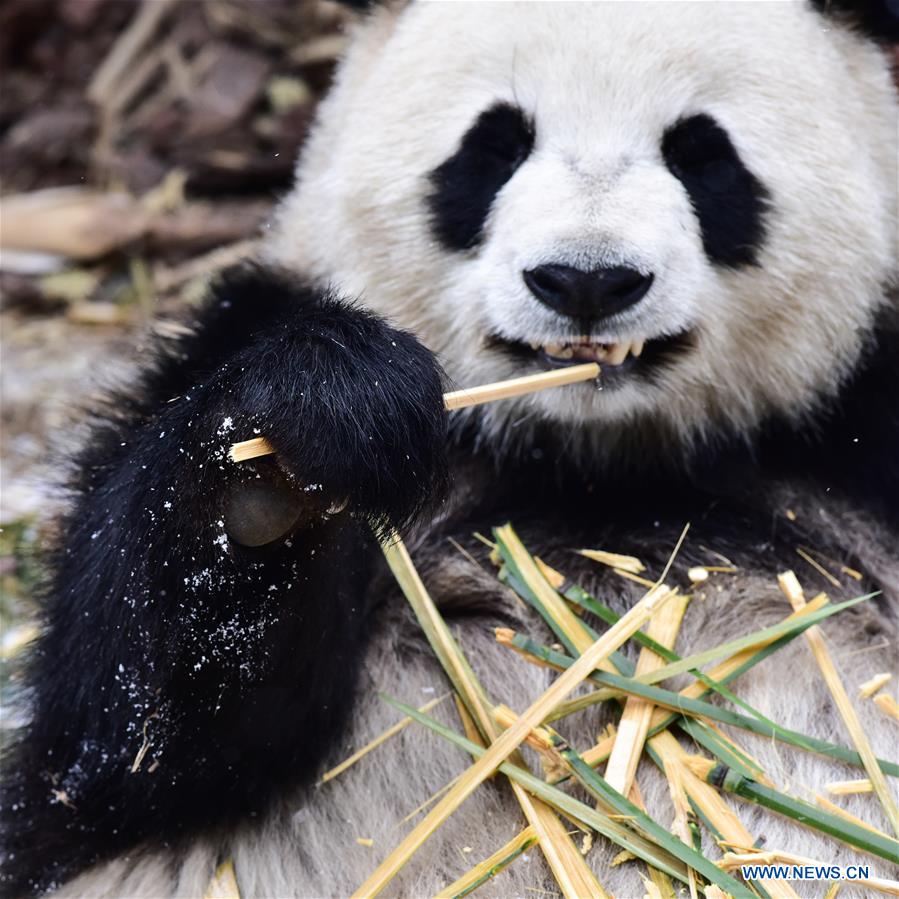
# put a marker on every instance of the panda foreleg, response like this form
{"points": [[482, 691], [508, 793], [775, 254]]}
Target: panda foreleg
{"points": [[185, 675]]}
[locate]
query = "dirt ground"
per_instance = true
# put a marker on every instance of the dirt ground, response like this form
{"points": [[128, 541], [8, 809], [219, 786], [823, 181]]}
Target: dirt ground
{"points": [[143, 145]]}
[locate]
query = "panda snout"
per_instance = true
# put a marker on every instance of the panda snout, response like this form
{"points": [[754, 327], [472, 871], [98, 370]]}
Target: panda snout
{"points": [[587, 295]]}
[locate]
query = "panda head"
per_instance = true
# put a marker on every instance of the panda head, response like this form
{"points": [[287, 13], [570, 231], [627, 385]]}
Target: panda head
{"points": [[700, 196]]}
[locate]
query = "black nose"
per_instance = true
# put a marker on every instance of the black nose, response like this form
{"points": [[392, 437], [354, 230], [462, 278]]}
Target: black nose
{"points": [[594, 294]]}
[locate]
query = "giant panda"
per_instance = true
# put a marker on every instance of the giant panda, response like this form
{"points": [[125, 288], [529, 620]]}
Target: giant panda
{"points": [[699, 196]]}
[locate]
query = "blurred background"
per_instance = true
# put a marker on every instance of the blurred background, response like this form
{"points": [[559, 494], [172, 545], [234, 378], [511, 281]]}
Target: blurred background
{"points": [[143, 144]]}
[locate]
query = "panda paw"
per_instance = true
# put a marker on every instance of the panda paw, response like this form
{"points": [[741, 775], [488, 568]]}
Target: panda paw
{"points": [[354, 410]]}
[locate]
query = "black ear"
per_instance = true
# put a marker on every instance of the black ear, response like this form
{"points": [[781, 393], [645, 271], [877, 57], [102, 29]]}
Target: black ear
{"points": [[879, 19], [358, 5]]}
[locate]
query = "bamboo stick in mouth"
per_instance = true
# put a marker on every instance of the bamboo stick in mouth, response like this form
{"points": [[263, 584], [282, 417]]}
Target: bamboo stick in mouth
{"points": [[459, 399]]}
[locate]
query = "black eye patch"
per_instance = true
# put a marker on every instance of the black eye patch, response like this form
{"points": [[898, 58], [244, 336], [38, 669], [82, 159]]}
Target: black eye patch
{"points": [[728, 199], [464, 186]]}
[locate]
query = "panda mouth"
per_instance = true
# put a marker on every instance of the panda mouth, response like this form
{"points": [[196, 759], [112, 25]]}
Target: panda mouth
{"points": [[618, 358], [584, 349]]}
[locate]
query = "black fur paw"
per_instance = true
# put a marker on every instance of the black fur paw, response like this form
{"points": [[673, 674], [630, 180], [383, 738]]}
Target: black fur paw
{"points": [[353, 407]]}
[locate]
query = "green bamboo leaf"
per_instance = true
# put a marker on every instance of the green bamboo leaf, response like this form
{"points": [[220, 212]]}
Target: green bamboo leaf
{"points": [[585, 601], [497, 867], [732, 647], [580, 597], [698, 708], [723, 750], [597, 786], [628, 839], [803, 812], [710, 827]]}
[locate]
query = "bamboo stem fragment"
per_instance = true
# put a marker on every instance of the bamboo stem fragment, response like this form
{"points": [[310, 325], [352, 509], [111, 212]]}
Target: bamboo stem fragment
{"points": [[798, 810], [460, 399], [574, 877], [634, 723], [490, 867], [870, 687], [849, 787], [887, 704], [790, 586], [512, 738], [224, 883], [829, 806]]}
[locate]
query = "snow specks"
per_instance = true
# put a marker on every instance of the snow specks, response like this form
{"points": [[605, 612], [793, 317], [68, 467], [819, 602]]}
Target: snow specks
{"points": [[226, 426], [221, 538]]}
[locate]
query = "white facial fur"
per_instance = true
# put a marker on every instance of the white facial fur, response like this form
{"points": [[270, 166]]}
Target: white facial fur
{"points": [[808, 106]]}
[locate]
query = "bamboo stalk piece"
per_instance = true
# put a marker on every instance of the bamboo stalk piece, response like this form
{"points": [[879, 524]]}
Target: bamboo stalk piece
{"points": [[460, 399], [512, 738], [571, 872], [490, 867], [815, 638]]}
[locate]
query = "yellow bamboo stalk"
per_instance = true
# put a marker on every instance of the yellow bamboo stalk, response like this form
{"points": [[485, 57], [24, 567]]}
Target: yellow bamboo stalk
{"points": [[713, 806], [568, 867], [468, 725], [631, 564], [512, 738], [724, 669], [600, 752], [570, 870], [715, 892], [488, 393], [490, 866], [870, 687], [554, 766], [636, 578], [849, 787], [637, 714], [224, 883], [829, 806], [556, 607], [460, 399], [815, 638], [818, 567], [377, 741], [887, 704], [556, 578], [682, 816]]}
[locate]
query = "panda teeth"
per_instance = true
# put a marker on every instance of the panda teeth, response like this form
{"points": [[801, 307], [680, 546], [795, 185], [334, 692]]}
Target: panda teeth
{"points": [[586, 350], [559, 350], [617, 353]]}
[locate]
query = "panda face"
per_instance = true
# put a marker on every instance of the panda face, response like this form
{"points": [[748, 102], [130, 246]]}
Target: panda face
{"points": [[699, 196]]}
